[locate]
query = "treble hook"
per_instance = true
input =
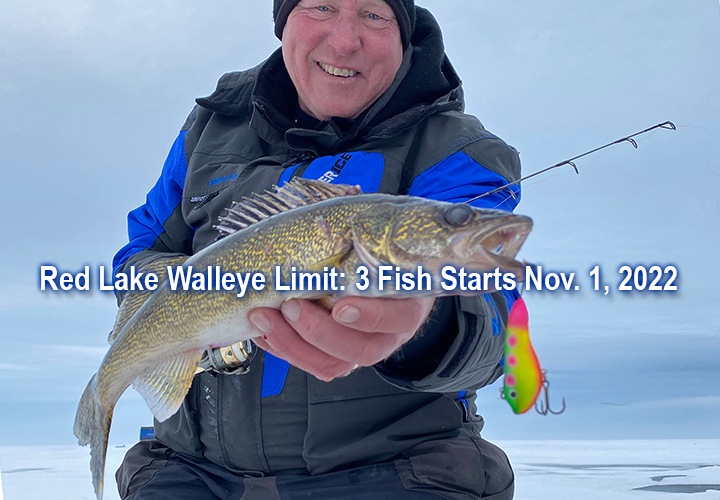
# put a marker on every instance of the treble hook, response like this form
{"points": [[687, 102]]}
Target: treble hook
{"points": [[544, 408]]}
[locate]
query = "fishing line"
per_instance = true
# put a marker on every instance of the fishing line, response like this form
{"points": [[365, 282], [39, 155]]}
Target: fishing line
{"points": [[512, 195]]}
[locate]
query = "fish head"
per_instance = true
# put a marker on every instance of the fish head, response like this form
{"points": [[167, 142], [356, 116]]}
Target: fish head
{"points": [[434, 234]]}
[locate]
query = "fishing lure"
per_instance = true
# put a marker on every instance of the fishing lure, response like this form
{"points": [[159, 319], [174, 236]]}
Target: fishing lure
{"points": [[524, 377], [523, 374]]}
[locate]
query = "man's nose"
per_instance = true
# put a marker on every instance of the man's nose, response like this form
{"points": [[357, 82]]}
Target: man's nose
{"points": [[344, 35]]}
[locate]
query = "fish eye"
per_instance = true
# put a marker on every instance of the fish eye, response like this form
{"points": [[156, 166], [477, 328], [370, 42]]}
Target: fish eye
{"points": [[458, 214], [513, 394]]}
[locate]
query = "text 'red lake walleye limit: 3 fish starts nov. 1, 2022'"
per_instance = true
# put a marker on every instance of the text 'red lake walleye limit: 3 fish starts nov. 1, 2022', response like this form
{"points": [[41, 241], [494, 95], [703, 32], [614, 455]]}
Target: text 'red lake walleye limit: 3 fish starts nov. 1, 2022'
{"points": [[637, 278]]}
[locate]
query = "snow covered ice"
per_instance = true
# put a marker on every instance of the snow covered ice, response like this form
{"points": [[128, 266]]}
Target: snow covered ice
{"points": [[617, 470], [544, 470], [54, 472]]}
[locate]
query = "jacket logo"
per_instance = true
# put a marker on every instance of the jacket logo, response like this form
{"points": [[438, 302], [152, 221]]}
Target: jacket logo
{"points": [[222, 179], [202, 200], [332, 174]]}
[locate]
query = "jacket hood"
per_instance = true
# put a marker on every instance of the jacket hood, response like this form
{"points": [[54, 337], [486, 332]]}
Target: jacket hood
{"points": [[425, 84]]}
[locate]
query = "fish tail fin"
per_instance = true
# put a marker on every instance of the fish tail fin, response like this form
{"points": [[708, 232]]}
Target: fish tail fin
{"points": [[92, 426]]}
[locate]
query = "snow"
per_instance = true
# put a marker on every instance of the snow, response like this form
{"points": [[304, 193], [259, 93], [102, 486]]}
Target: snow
{"points": [[54, 472], [617, 470], [544, 470]]}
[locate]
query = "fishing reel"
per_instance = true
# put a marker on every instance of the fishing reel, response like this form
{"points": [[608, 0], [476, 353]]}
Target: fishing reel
{"points": [[231, 360]]}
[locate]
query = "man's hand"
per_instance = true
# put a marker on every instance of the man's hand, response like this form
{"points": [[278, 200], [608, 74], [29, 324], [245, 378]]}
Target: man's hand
{"points": [[330, 344]]}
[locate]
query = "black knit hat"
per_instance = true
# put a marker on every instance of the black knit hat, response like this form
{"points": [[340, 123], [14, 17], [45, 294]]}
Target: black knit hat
{"points": [[404, 12]]}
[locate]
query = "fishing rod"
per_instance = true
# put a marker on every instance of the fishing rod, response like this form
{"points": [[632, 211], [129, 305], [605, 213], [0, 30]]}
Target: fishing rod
{"points": [[668, 125], [524, 378]]}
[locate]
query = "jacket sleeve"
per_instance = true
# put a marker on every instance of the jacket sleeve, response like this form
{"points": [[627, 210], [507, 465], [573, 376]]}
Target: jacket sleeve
{"points": [[157, 229], [461, 345]]}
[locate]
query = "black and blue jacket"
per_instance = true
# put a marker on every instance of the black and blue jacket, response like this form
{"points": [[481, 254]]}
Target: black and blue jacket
{"points": [[414, 140]]}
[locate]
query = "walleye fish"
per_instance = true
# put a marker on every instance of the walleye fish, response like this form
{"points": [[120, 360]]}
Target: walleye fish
{"points": [[159, 337]]}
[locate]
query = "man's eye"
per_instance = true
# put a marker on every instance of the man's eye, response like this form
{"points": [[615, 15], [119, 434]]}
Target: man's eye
{"points": [[374, 17], [323, 8]]}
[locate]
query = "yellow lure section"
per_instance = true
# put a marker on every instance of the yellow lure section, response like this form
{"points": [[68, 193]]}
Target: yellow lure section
{"points": [[523, 375]]}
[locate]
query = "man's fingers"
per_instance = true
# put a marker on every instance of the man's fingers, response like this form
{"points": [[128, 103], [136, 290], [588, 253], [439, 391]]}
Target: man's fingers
{"points": [[360, 331], [319, 328], [383, 315], [282, 341]]}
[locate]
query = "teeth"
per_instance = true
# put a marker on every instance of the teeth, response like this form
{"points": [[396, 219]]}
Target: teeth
{"points": [[337, 71]]}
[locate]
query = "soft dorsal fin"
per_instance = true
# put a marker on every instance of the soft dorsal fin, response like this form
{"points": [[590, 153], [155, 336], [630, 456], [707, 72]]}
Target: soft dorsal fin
{"points": [[134, 300], [296, 193]]}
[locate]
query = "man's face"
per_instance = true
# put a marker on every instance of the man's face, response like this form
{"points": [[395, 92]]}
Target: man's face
{"points": [[341, 54]]}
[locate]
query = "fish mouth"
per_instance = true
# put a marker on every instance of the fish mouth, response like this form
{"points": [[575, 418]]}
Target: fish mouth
{"points": [[506, 238], [494, 246]]}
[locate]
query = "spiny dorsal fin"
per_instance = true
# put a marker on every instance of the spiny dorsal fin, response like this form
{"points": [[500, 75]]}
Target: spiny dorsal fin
{"points": [[133, 300], [296, 193]]}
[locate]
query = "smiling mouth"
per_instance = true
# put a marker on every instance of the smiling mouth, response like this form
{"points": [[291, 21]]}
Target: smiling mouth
{"points": [[332, 70]]}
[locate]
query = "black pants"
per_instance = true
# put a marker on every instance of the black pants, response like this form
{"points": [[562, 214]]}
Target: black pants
{"points": [[151, 471]]}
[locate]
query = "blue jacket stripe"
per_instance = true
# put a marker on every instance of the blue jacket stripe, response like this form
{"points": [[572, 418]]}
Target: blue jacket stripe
{"points": [[459, 178], [145, 223], [359, 167], [461, 399], [287, 173], [495, 317], [510, 297], [274, 374]]}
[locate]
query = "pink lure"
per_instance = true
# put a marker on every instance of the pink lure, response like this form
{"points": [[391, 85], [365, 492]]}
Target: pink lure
{"points": [[523, 375]]}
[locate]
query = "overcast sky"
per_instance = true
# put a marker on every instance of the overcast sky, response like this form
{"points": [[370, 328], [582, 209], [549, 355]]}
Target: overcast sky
{"points": [[94, 93]]}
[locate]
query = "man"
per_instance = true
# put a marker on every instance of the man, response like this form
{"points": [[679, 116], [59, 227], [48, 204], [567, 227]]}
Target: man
{"points": [[374, 399]]}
